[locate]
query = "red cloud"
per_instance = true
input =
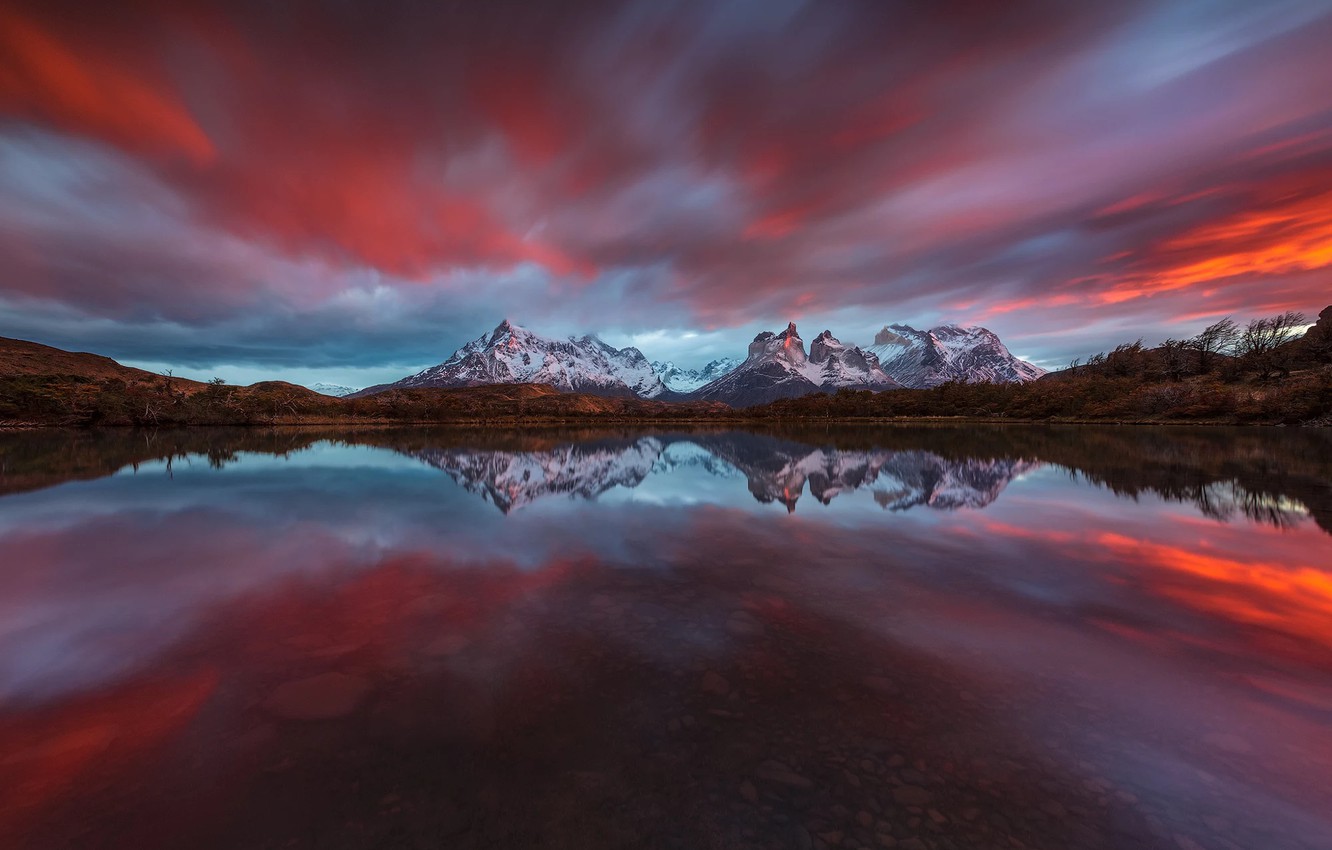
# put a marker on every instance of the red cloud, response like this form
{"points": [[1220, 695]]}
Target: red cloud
{"points": [[725, 169], [81, 91]]}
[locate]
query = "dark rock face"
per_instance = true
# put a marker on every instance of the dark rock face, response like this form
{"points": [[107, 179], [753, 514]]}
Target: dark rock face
{"points": [[1318, 341], [823, 347]]}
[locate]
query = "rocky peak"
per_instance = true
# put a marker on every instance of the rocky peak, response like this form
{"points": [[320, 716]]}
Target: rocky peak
{"points": [[787, 344], [760, 343], [792, 346], [824, 346], [505, 330]]}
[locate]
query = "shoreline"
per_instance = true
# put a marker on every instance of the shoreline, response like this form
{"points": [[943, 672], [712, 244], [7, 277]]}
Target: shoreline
{"points": [[726, 421]]}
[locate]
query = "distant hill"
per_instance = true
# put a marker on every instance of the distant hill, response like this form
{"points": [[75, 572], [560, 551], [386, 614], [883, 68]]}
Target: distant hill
{"points": [[20, 357]]}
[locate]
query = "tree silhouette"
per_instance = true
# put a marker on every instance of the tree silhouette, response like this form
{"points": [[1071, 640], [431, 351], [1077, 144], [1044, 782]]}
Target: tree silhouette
{"points": [[1218, 338]]}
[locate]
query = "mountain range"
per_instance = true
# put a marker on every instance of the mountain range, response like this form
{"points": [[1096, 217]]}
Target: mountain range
{"points": [[513, 355], [776, 366], [679, 380], [924, 359]]}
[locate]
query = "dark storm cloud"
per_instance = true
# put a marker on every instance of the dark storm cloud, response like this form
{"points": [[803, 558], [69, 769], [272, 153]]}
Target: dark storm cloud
{"points": [[365, 183]]}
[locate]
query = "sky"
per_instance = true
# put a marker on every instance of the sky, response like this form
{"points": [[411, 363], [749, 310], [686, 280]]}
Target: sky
{"points": [[348, 191]]}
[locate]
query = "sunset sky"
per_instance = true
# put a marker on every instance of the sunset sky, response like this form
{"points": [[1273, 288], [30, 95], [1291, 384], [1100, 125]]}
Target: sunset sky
{"points": [[348, 191]]}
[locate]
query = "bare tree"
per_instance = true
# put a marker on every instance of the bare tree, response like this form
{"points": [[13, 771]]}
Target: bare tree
{"points": [[1261, 344], [1216, 339], [1174, 359], [1126, 359]]}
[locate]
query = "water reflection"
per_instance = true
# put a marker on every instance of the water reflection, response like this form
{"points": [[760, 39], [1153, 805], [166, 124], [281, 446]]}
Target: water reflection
{"points": [[776, 470], [1274, 476], [1060, 637]]}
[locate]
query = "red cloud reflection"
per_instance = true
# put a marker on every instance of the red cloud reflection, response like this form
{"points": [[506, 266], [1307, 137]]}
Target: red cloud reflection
{"points": [[48, 752], [1290, 598]]}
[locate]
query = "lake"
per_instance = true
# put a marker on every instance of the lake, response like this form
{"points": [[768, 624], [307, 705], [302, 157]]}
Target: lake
{"points": [[912, 637]]}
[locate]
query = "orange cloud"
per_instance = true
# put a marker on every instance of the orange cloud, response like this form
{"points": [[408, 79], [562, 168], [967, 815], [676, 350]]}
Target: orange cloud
{"points": [[1293, 236]]}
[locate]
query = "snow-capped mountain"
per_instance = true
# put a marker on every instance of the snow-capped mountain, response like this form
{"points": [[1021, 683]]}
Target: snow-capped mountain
{"points": [[514, 355], [332, 389], [921, 359], [687, 380], [777, 367], [847, 366]]}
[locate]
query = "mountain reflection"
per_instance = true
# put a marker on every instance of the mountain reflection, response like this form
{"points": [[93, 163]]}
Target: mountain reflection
{"points": [[776, 470], [1277, 477]]}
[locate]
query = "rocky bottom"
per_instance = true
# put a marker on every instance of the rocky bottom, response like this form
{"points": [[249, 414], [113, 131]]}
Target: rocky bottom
{"points": [[620, 710]]}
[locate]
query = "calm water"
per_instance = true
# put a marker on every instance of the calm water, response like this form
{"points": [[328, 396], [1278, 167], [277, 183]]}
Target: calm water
{"points": [[909, 637]]}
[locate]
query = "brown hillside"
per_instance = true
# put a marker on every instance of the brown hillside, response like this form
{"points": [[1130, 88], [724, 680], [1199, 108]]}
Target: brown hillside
{"points": [[20, 357]]}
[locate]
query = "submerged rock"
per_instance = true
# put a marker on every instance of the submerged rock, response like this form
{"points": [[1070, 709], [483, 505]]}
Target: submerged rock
{"points": [[324, 697]]}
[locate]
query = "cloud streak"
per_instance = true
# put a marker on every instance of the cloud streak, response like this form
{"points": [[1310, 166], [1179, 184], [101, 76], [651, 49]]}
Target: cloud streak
{"points": [[236, 180]]}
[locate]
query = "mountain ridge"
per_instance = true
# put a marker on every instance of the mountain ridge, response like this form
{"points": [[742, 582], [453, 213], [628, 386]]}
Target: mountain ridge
{"points": [[777, 367], [681, 380], [511, 354], [949, 352]]}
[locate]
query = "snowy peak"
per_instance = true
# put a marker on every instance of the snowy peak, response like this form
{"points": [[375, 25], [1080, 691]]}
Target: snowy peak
{"points": [[787, 345], [679, 380], [825, 345], [511, 354], [950, 352], [506, 334], [332, 389]]}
